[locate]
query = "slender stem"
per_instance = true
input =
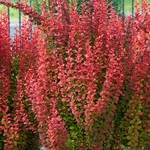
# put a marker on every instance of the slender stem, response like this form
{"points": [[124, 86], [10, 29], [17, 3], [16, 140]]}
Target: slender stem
{"points": [[133, 9], [19, 20], [8, 12], [123, 8], [30, 3]]}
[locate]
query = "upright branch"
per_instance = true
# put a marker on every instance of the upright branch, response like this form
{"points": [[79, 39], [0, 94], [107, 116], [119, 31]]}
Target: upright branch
{"points": [[26, 10]]}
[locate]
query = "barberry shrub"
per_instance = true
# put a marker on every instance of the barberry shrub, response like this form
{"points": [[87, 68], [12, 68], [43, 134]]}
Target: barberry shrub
{"points": [[79, 80]]}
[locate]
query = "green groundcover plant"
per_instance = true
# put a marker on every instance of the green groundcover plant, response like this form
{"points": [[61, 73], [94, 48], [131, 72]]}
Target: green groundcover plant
{"points": [[80, 80]]}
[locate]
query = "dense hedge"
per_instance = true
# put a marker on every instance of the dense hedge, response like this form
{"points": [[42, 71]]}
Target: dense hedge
{"points": [[78, 81]]}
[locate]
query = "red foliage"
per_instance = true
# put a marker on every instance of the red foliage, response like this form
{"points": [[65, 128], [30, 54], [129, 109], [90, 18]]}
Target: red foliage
{"points": [[80, 79]]}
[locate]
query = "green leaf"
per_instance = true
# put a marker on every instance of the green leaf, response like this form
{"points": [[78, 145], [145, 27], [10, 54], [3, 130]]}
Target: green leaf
{"points": [[128, 137], [71, 128]]}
